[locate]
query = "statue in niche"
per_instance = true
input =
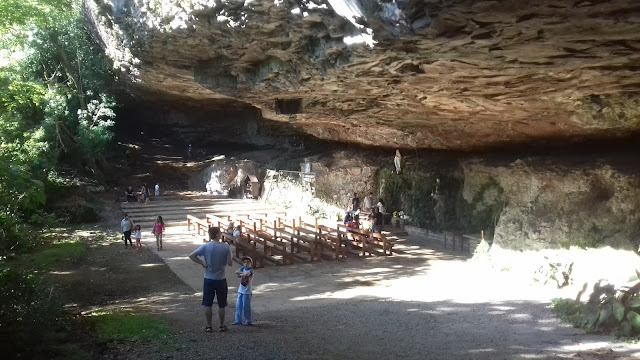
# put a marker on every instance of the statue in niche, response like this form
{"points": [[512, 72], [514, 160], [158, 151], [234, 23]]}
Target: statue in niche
{"points": [[440, 206], [397, 161]]}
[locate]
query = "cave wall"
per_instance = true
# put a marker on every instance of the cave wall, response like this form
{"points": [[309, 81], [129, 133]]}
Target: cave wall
{"points": [[548, 204], [205, 126], [522, 203]]}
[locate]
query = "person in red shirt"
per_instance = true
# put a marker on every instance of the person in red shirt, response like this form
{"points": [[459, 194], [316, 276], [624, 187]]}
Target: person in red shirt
{"points": [[158, 230]]}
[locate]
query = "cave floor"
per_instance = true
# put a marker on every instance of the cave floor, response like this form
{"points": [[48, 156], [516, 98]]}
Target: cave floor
{"points": [[425, 303]]}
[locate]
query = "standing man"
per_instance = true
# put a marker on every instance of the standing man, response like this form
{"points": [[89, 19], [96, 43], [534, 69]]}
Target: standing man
{"points": [[368, 203], [216, 254], [126, 225], [355, 208], [378, 219]]}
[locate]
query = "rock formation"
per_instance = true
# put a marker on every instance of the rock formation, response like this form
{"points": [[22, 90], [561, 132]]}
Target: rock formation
{"points": [[439, 74], [551, 205]]}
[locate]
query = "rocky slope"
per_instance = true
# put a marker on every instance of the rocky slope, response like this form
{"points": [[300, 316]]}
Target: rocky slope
{"points": [[438, 74]]}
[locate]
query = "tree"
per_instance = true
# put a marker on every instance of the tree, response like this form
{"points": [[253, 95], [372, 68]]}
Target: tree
{"points": [[53, 105]]}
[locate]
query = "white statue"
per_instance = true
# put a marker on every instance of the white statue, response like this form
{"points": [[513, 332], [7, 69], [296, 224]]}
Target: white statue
{"points": [[397, 161]]}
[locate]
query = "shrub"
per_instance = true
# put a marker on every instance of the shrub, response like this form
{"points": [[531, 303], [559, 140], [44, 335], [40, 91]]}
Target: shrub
{"points": [[75, 210], [31, 312], [607, 310]]}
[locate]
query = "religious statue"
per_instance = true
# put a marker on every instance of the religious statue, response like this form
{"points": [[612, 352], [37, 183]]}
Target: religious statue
{"points": [[397, 161]]}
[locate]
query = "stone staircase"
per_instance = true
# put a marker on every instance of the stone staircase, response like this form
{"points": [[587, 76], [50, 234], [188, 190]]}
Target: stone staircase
{"points": [[174, 208]]}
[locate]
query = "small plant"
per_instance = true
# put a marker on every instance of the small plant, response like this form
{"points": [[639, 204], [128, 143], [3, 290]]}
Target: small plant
{"points": [[558, 272], [568, 310]]}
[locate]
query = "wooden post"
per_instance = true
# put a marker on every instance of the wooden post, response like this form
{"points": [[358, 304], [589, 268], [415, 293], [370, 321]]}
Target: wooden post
{"points": [[275, 235]]}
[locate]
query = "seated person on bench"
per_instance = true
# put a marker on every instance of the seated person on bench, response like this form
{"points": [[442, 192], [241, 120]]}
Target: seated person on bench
{"points": [[130, 195], [347, 217], [237, 233], [230, 228]]}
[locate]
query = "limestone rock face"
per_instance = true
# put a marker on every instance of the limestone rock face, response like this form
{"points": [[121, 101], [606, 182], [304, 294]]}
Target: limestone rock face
{"points": [[437, 74], [547, 206], [225, 177]]}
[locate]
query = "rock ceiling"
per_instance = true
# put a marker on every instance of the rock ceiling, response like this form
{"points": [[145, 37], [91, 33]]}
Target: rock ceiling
{"points": [[441, 74]]}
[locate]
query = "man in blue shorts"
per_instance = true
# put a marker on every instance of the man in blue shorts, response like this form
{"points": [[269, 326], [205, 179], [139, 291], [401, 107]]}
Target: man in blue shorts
{"points": [[216, 255]]}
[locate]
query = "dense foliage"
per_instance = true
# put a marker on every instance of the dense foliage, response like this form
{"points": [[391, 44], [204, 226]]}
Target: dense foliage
{"points": [[31, 312], [54, 108]]}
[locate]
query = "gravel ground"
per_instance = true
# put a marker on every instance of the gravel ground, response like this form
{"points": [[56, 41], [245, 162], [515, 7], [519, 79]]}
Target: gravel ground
{"points": [[422, 304]]}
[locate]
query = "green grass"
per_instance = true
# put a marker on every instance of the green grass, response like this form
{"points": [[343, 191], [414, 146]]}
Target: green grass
{"points": [[130, 327], [57, 253]]}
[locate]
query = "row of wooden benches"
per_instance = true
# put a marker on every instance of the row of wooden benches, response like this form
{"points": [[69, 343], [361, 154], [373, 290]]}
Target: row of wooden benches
{"points": [[283, 240]]}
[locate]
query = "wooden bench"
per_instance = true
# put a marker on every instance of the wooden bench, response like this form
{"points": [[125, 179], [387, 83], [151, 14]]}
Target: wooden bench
{"points": [[244, 247], [367, 238], [200, 226], [270, 245], [214, 220], [296, 240], [333, 238]]}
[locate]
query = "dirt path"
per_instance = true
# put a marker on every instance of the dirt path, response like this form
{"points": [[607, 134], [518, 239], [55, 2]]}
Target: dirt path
{"points": [[424, 304]]}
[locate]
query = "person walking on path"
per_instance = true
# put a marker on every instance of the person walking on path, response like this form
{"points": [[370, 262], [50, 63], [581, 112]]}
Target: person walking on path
{"points": [[158, 230], [216, 254], [126, 225], [138, 235], [243, 304]]}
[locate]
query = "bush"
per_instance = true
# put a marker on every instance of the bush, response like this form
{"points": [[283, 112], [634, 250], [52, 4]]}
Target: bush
{"points": [[31, 312], [75, 210], [607, 310]]}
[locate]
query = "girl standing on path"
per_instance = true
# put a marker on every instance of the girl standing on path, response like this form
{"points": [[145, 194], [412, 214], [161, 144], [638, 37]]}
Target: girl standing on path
{"points": [[138, 236], [243, 304], [158, 229]]}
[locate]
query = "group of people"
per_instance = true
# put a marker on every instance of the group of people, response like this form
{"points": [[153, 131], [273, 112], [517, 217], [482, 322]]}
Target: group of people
{"points": [[234, 230], [216, 255], [131, 196], [128, 226], [374, 213]]}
